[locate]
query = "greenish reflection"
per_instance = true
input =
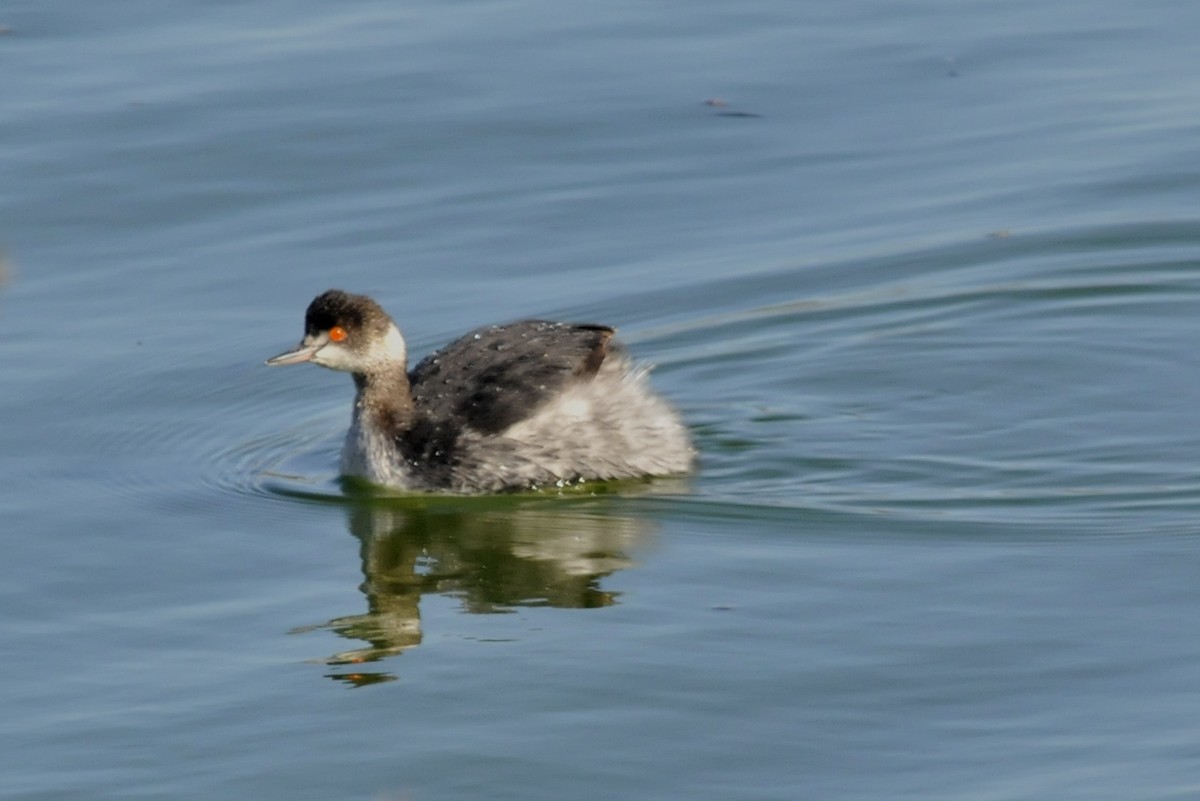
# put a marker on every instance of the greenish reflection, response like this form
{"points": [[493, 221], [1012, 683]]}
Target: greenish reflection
{"points": [[493, 555]]}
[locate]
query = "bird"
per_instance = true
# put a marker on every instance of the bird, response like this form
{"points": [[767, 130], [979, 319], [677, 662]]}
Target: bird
{"points": [[516, 407]]}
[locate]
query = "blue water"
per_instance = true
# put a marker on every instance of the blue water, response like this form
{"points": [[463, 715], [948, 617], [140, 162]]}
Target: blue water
{"points": [[923, 278]]}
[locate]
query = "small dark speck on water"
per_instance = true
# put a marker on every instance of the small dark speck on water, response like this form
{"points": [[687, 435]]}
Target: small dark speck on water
{"points": [[720, 103]]}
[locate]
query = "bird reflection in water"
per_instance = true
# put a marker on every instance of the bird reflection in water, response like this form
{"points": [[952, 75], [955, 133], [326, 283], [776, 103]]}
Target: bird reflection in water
{"points": [[493, 559]]}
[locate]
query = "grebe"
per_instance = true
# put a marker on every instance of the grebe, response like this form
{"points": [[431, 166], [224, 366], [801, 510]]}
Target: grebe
{"points": [[506, 407]]}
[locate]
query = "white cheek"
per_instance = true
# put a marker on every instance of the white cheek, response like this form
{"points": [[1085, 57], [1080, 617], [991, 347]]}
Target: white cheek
{"points": [[393, 345], [335, 357]]}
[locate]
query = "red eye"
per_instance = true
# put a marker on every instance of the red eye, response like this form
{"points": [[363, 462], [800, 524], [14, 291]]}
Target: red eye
{"points": [[338, 334]]}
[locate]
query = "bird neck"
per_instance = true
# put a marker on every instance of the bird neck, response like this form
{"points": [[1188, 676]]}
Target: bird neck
{"points": [[384, 398]]}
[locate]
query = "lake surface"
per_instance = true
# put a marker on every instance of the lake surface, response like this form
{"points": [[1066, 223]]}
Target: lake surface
{"points": [[923, 277]]}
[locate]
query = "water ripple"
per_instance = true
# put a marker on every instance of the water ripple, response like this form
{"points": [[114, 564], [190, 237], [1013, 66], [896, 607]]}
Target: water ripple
{"points": [[1037, 382]]}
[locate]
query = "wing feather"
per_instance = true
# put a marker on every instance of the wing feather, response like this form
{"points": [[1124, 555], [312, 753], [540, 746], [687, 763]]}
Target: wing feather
{"points": [[496, 376]]}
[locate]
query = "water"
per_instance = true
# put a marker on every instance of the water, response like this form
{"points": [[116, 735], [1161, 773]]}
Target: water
{"points": [[924, 287]]}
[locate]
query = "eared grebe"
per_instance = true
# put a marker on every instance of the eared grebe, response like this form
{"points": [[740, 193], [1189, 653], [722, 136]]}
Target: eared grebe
{"points": [[507, 407]]}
